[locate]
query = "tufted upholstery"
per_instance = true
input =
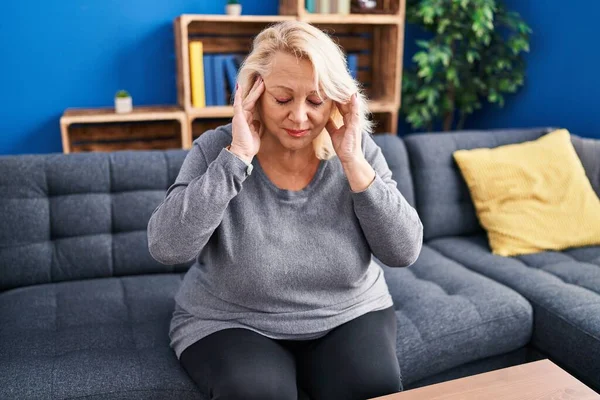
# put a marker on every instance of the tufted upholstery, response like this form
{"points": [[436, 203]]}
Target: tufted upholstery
{"points": [[442, 197], [563, 288], [99, 338], [448, 316], [80, 216]]}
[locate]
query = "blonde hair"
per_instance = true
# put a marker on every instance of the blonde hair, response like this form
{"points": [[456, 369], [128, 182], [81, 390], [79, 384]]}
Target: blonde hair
{"points": [[329, 64]]}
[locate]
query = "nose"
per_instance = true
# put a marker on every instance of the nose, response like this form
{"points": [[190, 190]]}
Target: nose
{"points": [[298, 113]]}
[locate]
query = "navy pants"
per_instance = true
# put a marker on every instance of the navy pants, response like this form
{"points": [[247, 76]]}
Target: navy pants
{"points": [[356, 360]]}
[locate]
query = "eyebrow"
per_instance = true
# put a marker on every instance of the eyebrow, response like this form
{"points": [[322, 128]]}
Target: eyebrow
{"points": [[292, 90]]}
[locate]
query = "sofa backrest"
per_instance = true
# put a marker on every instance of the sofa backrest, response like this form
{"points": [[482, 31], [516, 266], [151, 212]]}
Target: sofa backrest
{"points": [[442, 197], [80, 215], [588, 150], [394, 152], [85, 215]]}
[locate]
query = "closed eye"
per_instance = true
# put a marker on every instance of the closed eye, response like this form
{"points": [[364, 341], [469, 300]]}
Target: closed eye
{"points": [[314, 104]]}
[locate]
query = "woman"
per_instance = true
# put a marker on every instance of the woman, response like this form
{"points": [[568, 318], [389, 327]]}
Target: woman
{"points": [[282, 210]]}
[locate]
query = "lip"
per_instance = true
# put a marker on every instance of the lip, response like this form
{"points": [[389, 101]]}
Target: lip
{"points": [[297, 133]]}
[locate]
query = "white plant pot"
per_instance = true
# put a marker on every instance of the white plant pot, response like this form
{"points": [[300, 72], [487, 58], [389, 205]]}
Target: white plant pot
{"points": [[123, 104], [234, 9]]}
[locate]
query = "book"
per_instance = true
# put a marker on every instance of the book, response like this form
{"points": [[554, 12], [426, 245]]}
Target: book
{"points": [[342, 6], [219, 79], [231, 70], [323, 6], [353, 65], [197, 74], [239, 59], [209, 80], [310, 6]]}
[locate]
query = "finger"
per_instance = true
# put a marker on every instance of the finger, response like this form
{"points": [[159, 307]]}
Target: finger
{"points": [[345, 108], [330, 126], [249, 116], [237, 99], [255, 93], [355, 110]]}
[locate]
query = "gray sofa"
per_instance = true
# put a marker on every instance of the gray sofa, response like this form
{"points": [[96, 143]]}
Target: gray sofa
{"points": [[85, 309]]}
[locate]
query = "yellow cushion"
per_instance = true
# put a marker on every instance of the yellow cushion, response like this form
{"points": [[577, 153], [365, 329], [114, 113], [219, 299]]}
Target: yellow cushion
{"points": [[532, 196]]}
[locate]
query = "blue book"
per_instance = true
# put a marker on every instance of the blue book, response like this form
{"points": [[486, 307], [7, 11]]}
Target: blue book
{"points": [[208, 80], [231, 71], [310, 6], [219, 79], [239, 59], [353, 65]]}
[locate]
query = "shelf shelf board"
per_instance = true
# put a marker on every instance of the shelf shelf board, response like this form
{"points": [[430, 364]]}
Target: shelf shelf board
{"points": [[211, 112], [227, 111], [372, 19], [187, 18], [108, 114], [378, 106]]}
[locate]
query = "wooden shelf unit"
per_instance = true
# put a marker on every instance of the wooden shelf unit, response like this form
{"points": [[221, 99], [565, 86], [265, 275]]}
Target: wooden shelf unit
{"points": [[378, 37], [102, 129]]}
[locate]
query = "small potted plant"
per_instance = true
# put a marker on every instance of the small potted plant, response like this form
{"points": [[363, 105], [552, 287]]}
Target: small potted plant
{"points": [[233, 7], [123, 102]]}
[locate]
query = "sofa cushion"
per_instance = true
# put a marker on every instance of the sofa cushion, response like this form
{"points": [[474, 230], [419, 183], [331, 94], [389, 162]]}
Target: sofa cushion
{"points": [[442, 197], [563, 288], [447, 315], [394, 152], [81, 215], [91, 338], [532, 196]]}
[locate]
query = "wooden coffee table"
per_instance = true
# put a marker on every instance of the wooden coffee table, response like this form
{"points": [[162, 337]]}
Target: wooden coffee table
{"points": [[535, 380]]}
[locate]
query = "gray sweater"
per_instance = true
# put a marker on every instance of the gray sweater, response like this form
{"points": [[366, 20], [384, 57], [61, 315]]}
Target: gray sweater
{"points": [[286, 264]]}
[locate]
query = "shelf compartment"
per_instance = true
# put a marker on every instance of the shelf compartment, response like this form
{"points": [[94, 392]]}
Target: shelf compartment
{"points": [[131, 135], [360, 19], [102, 129], [384, 8], [236, 38]]}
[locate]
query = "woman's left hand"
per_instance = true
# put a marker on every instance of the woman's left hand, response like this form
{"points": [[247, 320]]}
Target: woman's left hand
{"points": [[347, 139]]}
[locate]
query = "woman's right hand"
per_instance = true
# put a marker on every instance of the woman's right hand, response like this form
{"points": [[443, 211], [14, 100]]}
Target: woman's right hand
{"points": [[245, 130]]}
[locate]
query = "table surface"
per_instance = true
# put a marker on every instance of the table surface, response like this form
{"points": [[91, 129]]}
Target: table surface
{"points": [[535, 380]]}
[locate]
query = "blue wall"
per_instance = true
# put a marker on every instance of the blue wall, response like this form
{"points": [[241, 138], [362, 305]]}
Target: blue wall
{"points": [[78, 53], [562, 86], [562, 83]]}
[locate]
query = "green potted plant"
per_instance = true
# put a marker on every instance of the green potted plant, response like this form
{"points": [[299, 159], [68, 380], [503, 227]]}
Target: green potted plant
{"points": [[123, 102], [233, 7], [474, 54]]}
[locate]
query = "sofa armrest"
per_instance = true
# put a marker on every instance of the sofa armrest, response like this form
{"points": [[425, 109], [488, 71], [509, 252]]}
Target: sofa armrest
{"points": [[588, 150]]}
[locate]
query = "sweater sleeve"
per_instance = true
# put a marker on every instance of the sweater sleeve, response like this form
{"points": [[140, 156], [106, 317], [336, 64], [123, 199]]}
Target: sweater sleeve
{"points": [[194, 205], [390, 224]]}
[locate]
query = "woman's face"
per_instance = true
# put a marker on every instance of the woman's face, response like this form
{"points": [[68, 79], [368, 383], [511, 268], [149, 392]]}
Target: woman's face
{"points": [[290, 109]]}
